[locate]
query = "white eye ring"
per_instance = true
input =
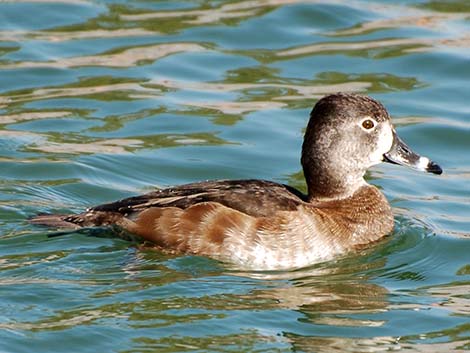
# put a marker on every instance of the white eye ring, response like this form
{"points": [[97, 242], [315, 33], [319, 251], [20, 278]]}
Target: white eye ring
{"points": [[368, 124]]}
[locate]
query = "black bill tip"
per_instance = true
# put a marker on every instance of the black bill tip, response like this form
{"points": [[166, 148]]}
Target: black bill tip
{"points": [[433, 168]]}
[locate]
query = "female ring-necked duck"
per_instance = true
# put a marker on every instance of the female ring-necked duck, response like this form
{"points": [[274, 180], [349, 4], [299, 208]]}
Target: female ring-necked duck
{"points": [[264, 225]]}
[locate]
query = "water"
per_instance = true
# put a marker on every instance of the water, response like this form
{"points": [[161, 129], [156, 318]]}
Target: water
{"points": [[101, 100]]}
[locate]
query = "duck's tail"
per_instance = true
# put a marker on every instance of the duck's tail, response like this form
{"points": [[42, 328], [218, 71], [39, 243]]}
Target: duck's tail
{"points": [[87, 219], [79, 223], [55, 221]]}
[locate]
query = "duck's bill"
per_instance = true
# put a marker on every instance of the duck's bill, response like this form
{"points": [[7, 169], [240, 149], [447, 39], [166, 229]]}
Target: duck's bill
{"points": [[401, 154]]}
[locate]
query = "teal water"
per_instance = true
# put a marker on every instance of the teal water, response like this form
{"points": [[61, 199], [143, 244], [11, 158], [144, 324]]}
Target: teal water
{"points": [[105, 99]]}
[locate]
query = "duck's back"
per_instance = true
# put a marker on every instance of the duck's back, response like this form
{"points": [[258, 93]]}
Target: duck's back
{"points": [[254, 198], [257, 198]]}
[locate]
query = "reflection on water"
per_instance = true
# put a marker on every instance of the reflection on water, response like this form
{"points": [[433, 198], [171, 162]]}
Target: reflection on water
{"points": [[124, 58], [146, 294], [101, 100]]}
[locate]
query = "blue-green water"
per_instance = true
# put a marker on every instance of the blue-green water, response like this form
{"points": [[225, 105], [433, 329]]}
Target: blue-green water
{"points": [[105, 99]]}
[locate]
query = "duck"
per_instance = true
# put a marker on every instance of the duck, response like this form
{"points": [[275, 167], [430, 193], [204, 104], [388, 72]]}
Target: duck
{"points": [[264, 225]]}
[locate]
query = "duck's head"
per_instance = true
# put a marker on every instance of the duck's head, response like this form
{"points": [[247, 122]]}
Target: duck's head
{"points": [[347, 134]]}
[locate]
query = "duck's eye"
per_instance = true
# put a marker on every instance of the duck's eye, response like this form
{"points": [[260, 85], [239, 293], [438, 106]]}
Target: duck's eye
{"points": [[368, 124]]}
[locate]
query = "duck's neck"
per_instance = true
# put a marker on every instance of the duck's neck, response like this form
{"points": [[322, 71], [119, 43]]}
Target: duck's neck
{"points": [[364, 217], [331, 183]]}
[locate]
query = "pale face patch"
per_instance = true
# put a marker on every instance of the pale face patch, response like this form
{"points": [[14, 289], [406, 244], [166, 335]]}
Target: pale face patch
{"points": [[384, 143]]}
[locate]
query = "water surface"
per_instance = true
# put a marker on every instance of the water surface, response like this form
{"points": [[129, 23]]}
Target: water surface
{"points": [[100, 100]]}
